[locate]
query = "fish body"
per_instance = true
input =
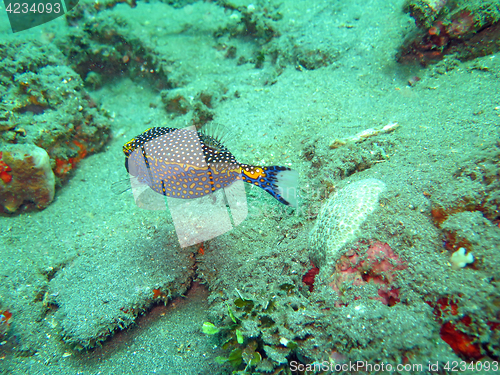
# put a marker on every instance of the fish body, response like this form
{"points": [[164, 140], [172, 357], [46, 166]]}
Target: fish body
{"points": [[186, 164]]}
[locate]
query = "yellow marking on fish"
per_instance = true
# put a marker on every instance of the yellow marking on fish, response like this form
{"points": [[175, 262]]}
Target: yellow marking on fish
{"points": [[254, 174]]}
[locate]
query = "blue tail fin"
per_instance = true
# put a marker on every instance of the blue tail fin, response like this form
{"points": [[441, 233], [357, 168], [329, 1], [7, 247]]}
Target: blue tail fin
{"points": [[280, 182]]}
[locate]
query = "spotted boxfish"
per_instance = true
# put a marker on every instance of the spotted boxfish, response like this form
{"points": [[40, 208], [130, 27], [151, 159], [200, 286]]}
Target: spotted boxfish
{"points": [[186, 164]]}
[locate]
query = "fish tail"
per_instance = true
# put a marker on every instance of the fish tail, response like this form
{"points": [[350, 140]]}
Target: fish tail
{"points": [[280, 182]]}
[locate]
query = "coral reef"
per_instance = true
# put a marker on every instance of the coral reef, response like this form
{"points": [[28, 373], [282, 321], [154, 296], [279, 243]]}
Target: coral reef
{"points": [[467, 29], [377, 265], [44, 104], [425, 11], [272, 314], [342, 215], [310, 277], [5, 170], [330, 166], [102, 48], [85, 300], [99, 271], [198, 108], [467, 216], [453, 329], [32, 179]]}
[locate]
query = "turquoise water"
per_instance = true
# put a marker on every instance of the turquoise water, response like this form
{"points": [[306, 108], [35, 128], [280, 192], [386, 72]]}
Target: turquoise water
{"points": [[407, 275]]}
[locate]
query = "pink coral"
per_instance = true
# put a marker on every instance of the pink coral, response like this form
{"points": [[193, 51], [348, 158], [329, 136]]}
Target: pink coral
{"points": [[378, 265]]}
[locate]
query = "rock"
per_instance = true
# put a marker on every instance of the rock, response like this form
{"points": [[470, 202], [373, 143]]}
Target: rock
{"points": [[32, 178]]}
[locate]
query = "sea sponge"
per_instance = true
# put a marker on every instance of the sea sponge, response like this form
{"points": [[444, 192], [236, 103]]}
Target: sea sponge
{"points": [[460, 258], [342, 215], [32, 178]]}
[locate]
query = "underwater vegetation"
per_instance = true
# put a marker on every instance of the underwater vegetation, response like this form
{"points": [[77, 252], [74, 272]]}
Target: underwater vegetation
{"points": [[246, 353]]}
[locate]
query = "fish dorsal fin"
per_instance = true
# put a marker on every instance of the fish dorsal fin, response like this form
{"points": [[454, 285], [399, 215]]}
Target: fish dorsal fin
{"points": [[215, 132]]}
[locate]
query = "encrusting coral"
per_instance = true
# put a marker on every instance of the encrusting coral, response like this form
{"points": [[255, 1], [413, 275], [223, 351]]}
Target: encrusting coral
{"points": [[342, 215]]}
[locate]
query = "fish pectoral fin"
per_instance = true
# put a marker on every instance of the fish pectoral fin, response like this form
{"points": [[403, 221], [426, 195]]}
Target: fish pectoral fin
{"points": [[121, 186]]}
